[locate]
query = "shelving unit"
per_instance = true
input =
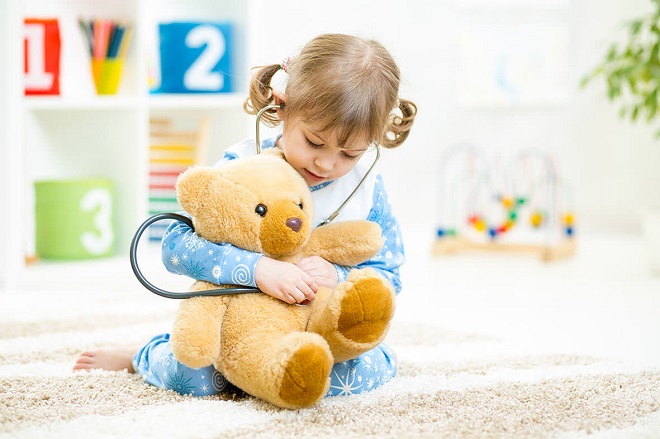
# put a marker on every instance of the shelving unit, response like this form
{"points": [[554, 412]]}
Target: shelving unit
{"points": [[80, 134]]}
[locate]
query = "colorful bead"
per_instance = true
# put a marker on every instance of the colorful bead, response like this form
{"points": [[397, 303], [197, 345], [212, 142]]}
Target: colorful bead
{"points": [[536, 219], [569, 219]]}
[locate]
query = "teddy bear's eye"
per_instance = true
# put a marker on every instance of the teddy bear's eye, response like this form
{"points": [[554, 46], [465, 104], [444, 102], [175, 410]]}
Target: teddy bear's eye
{"points": [[300, 205], [261, 210]]}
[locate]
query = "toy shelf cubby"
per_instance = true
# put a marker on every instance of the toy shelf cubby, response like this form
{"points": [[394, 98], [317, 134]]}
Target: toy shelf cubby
{"points": [[79, 133]]}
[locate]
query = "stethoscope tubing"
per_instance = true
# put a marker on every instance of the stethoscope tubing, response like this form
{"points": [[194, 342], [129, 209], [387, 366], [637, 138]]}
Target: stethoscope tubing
{"points": [[172, 294]]}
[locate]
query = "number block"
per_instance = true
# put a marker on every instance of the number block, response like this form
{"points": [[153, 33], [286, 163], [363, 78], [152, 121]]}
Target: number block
{"points": [[42, 56], [74, 218], [195, 57]]}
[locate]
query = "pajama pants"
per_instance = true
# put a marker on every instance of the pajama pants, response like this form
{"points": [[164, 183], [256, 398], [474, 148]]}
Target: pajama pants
{"points": [[157, 365]]}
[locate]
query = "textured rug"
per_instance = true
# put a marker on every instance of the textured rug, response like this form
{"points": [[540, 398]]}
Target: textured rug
{"points": [[449, 385]]}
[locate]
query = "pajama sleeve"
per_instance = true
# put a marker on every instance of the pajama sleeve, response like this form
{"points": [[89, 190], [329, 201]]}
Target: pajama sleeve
{"points": [[392, 255], [183, 252]]}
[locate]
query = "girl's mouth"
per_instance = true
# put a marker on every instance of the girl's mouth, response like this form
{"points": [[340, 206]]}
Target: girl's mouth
{"points": [[316, 179]]}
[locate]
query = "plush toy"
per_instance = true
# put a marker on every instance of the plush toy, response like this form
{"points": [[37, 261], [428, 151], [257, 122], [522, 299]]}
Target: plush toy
{"points": [[278, 352]]}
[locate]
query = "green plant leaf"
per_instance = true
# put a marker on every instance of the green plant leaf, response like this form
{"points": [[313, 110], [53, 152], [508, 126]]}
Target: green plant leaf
{"points": [[631, 69]]}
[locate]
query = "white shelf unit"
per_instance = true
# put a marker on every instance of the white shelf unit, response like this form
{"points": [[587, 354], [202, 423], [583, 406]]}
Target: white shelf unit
{"points": [[80, 134]]}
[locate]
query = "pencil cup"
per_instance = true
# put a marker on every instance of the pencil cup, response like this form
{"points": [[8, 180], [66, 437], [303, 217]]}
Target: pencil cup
{"points": [[106, 73], [74, 218]]}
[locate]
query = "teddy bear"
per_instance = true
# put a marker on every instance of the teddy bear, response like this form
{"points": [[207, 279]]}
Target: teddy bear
{"points": [[278, 352]]}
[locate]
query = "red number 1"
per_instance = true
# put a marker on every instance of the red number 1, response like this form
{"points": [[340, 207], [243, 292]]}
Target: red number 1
{"points": [[42, 57]]}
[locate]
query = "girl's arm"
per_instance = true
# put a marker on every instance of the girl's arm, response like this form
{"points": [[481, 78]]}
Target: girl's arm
{"points": [[392, 255], [186, 253]]}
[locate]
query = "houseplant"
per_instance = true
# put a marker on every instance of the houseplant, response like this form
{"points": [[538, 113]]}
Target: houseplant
{"points": [[631, 70]]}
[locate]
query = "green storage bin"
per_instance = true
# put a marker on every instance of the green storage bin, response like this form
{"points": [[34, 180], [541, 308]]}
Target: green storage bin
{"points": [[75, 218]]}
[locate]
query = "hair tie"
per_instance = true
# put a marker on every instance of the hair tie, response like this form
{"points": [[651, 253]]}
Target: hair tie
{"points": [[284, 65]]}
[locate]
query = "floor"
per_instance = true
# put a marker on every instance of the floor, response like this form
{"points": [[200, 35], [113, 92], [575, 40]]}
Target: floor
{"points": [[603, 302]]}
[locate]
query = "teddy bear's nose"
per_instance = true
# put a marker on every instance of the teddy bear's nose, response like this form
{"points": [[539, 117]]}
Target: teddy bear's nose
{"points": [[294, 224]]}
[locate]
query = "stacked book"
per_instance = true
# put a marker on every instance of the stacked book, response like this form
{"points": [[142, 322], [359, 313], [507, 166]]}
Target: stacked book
{"points": [[171, 152]]}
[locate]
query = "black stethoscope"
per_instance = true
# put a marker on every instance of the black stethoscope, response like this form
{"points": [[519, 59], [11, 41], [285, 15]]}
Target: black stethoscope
{"points": [[175, 216]]}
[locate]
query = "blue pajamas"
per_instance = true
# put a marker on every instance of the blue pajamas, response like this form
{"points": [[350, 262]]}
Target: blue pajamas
{"points": [[157, 365]]}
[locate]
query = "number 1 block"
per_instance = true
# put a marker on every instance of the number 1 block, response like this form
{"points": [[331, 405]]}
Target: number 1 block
{"points": [[42, 56]]}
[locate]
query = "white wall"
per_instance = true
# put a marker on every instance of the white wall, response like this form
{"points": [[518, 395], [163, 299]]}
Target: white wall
{"points": [[613, 166], [4, 148]]}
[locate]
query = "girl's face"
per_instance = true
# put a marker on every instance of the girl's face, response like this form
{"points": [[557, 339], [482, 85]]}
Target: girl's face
{"points": [[315, 155]]}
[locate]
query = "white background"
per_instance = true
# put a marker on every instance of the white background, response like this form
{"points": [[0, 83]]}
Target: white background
{"points": [[613, 165]]}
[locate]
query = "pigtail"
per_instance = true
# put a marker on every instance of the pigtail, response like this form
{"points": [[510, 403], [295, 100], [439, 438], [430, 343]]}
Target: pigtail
{"points": [[261, 94], [398, 126]]}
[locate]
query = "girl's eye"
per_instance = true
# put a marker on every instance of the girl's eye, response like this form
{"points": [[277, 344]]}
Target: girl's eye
{"points": [[350, 157], [314, 145]]}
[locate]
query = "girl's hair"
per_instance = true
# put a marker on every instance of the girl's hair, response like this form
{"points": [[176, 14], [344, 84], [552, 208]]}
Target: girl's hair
{"points": [[340, 82]]}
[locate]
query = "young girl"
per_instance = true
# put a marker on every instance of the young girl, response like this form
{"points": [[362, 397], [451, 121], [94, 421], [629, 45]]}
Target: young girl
{"points": [[337, 99]]}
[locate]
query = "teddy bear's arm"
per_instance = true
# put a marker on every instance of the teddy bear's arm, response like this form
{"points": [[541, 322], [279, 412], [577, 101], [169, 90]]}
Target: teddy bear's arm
{"points": [[195, 337], [346, 242]]}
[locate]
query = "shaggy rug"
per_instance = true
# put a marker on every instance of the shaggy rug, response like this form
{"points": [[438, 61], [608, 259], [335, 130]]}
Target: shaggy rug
{"points": [[449, 384]]}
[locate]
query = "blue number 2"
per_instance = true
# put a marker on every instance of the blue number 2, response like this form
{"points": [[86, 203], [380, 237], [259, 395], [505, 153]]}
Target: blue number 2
{"points": [[200, 74]]}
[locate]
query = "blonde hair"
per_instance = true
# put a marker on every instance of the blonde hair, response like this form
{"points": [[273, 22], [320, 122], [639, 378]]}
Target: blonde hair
{"points": [[340, 82]]}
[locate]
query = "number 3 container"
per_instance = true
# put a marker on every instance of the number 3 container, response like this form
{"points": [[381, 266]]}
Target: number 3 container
{"points": [[75, 218]]}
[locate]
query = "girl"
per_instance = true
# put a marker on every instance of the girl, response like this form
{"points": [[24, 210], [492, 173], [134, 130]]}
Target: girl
{"points": [[337, 99]]}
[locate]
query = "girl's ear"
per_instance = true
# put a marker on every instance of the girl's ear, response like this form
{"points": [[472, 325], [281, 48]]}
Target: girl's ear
{"points": [[280, 98]]}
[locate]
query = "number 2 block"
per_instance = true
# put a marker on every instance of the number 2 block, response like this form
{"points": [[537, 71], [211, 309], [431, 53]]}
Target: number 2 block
{"points": [[195, 57]]}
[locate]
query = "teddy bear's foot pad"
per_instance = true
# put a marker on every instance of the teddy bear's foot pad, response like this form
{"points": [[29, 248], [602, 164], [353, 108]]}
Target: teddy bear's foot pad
{"points": [[306, 379], [367, 308]]}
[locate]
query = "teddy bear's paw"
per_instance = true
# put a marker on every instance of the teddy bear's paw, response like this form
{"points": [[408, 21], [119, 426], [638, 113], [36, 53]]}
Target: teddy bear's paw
{"points": [[306, 375], [367, 307]]}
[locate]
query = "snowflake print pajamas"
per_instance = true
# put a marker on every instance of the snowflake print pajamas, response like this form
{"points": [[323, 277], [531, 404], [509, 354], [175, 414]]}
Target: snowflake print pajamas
{"points": [[157, 365]]}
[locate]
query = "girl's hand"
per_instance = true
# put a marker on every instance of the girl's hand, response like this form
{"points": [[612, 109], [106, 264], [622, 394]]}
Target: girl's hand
{"points": [[320, 270], [284, 281]]}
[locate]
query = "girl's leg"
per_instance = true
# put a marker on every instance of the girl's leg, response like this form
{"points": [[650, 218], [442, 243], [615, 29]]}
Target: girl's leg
{"points": [[157, 365], [364, 373]]}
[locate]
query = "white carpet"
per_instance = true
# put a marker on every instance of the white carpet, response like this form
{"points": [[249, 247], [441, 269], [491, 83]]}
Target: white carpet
{"points": [[488, 348]]}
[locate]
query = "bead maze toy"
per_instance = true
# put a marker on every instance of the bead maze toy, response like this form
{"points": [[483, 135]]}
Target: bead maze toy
{"points": [[523, 207]]}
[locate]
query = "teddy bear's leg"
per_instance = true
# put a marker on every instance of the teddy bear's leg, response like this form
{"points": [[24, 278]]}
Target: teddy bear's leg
{"points": [[195, 337], [289, 371], [355, 317]]}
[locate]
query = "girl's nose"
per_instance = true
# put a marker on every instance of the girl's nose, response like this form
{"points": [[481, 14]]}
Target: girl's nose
{"points": [[324, 163]]}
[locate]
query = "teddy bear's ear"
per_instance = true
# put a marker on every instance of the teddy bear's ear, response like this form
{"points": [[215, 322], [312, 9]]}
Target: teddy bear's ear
{"points": [[192, 187]]}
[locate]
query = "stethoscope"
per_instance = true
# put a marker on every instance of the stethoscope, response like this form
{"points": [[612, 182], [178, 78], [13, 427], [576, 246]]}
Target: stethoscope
{"points": [[175, 216]]}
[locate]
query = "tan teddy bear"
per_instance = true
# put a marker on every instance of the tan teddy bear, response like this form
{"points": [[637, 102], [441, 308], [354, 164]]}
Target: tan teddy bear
{"points": [[278, 352]]}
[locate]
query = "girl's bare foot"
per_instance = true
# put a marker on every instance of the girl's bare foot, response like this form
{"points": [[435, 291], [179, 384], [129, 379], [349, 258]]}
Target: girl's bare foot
{"points": [[106, 359]]}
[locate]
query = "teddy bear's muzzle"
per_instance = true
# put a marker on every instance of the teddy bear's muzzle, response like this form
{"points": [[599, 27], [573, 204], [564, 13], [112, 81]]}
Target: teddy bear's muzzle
{"points": [[284, 229]]}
